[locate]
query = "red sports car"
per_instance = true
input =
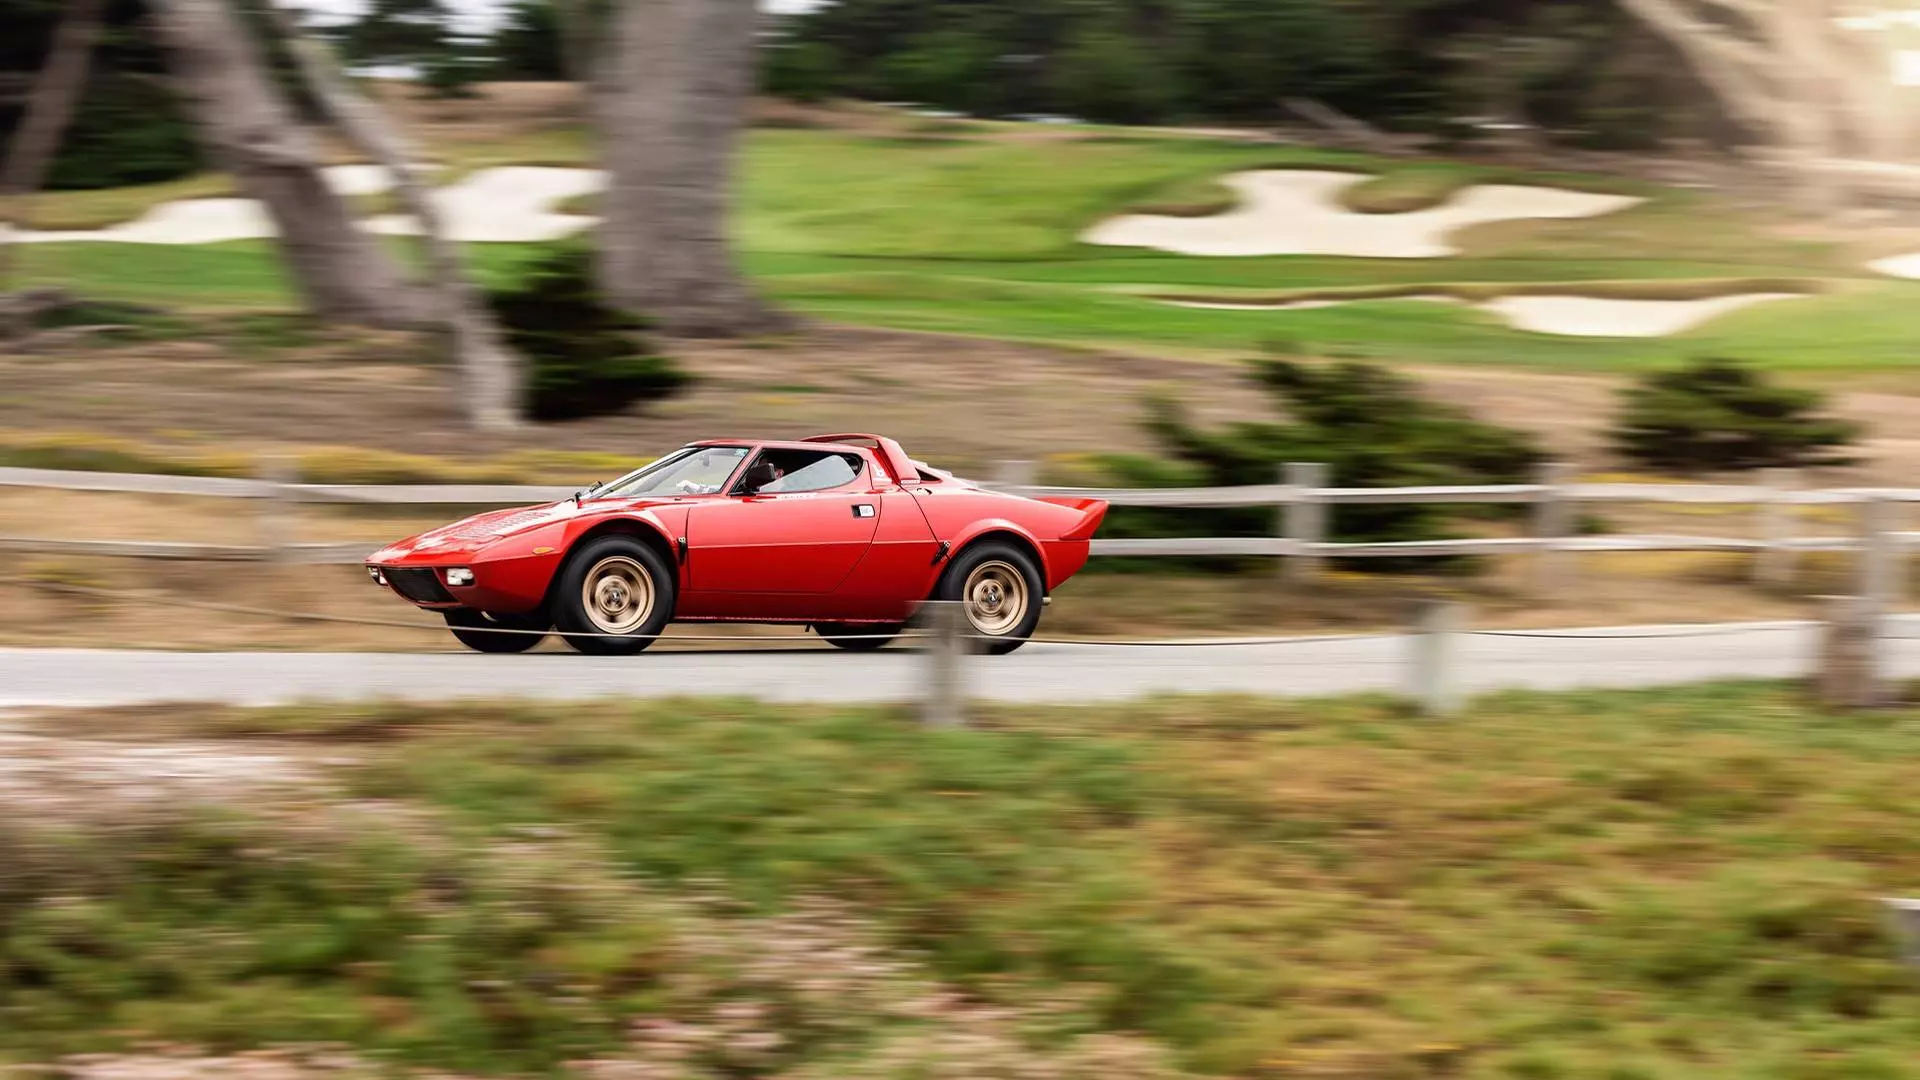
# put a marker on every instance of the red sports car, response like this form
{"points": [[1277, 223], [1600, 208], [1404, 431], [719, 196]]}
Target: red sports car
{"points": [[844, 533]]}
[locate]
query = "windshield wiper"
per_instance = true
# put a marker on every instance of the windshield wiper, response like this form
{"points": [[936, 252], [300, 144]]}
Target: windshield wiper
{"points": [[586, 491]]}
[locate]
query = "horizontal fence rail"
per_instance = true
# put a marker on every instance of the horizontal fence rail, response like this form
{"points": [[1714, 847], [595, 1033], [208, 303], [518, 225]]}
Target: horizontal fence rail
{"points": [[1300, 500]]}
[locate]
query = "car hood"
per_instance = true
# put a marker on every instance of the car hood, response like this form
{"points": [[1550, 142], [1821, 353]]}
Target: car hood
{"points": [[472, 533]]}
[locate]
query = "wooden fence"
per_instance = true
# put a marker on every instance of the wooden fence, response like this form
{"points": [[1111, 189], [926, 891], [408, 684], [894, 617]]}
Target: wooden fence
{"points": [[1299, 498]]}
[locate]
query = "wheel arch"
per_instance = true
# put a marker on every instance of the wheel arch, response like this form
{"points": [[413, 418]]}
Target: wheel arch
{"points": [[1002, 531], [647, 532]]}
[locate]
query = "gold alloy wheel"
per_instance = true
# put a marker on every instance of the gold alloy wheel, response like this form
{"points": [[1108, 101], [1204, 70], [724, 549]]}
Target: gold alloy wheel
{"points": [[996, 597], [617, 595]]}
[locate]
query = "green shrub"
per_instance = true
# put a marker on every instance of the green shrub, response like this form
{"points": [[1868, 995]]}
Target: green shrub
{"points": [[1720, 414], [1369, 426], [588, 359], [126, 127]]}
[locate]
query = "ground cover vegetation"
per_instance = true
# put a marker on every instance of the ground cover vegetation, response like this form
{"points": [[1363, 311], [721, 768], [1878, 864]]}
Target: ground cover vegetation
{"points": [[1669, 884]]}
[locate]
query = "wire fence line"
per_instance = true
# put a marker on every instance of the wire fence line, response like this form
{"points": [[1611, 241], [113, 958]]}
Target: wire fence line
{"points": [[1301, 499]]}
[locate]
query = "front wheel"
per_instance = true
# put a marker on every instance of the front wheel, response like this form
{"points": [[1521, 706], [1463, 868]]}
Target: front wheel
{"points": [[616, 594], [1001, 592], [857, 637], [491, 632]]}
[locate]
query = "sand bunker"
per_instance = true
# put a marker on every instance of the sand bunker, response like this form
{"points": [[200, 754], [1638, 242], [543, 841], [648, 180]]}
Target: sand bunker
{"points": [[1298, 212], [511, 205], [504, 205], [1567, 316], [1900, 266], [1590, 316]]}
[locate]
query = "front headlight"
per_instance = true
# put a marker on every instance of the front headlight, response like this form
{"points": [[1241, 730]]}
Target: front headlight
{"points": [[378, 577], [459, 575]]}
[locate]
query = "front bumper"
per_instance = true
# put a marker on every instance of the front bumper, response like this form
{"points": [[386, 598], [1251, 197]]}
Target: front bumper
{"points": [[515, 586]]}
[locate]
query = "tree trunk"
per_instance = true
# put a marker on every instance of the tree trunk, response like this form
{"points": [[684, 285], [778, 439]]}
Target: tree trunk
{"points": [[492, 373], [669, 106], [1806, 120], [249, 130], [1823, 92], [50, 105]]}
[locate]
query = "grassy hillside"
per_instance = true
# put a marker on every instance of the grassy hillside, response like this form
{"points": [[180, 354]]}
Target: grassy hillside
{"points": [[977, 235], [1656, 885]]}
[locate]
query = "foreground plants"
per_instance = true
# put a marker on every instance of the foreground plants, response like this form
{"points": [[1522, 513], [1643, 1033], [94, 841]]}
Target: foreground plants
{"points": [[508, 956], [1670, 884]]}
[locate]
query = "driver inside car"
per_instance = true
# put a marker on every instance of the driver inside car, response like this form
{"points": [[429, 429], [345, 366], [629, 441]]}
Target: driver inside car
{"points": [[760, 475]]}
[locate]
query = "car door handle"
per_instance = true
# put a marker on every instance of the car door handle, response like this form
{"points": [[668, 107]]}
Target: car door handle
{"points": [[863, 510]]}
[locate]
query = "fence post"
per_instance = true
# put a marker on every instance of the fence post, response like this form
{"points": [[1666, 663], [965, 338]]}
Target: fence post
{"points": [[276, 513], [1877, 570], [1552, 522], [1433, 677], [1773, 519], [1013, 477], [944, 704], [1304, 520], [1849, 674], [1903, 917]]}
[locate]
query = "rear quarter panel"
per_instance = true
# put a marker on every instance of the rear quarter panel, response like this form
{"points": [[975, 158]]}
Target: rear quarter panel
{"points": [[962, 515]]}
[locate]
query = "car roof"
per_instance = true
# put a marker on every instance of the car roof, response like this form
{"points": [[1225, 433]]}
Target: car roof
{"points": [[782, 444], [885, 452]]}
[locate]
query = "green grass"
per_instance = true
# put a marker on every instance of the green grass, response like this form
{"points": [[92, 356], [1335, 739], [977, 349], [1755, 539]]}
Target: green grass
{"points": [[978, 237], [1667, 884]]}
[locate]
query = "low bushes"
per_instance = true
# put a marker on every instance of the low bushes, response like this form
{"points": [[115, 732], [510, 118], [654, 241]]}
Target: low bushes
{"points": [[1369, 426], [1715, 414], [587, 359]]}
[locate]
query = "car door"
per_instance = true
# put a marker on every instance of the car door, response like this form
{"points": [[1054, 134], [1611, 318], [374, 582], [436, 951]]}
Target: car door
{"points": [[802, 532]]}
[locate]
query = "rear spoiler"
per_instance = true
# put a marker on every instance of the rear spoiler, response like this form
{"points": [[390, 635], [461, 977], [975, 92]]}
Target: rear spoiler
{"points": [[1093, 512]]}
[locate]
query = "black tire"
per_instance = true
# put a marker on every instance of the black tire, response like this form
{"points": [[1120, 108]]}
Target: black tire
{"points": [[857, 637], [480, 630], [599, 561], [1002, 629]]}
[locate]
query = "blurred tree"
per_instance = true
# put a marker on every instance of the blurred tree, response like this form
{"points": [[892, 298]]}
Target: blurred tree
{"points": [[30, 152], [126, 128], [1814, 77], [801, 71], [1103, 74], [404, 32], [529, 46], [1580, 69], [949, 67], [248, 128], [491, 379], [670, 87]]}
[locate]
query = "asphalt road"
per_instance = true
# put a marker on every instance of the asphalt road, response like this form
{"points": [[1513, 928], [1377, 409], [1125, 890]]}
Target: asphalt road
{"points": [[1611, 657]]}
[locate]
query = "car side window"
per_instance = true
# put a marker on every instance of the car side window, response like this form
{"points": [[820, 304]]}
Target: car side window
{"points": [[778, 472]]}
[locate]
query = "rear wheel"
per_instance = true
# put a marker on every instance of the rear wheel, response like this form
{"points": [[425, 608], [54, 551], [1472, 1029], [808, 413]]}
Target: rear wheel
{"points": [[617, 593], [491, 632], [1001, 591], [857, 637]]}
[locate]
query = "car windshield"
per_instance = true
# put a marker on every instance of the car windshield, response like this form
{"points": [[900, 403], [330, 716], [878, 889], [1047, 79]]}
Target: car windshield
{"points": [[692, 470]]}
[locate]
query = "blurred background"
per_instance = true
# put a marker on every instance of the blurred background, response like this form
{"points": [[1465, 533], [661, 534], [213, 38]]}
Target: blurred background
{"points": [[1636, 271]]}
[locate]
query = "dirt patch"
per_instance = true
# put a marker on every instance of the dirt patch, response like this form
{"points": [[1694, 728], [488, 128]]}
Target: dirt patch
{"points": [[960, 401], [963, 403], [293, 1064], [45, 777], [499, 110]]}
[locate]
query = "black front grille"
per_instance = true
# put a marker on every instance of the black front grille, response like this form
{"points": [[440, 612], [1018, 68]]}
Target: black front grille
{"points": [[418, 585]]}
